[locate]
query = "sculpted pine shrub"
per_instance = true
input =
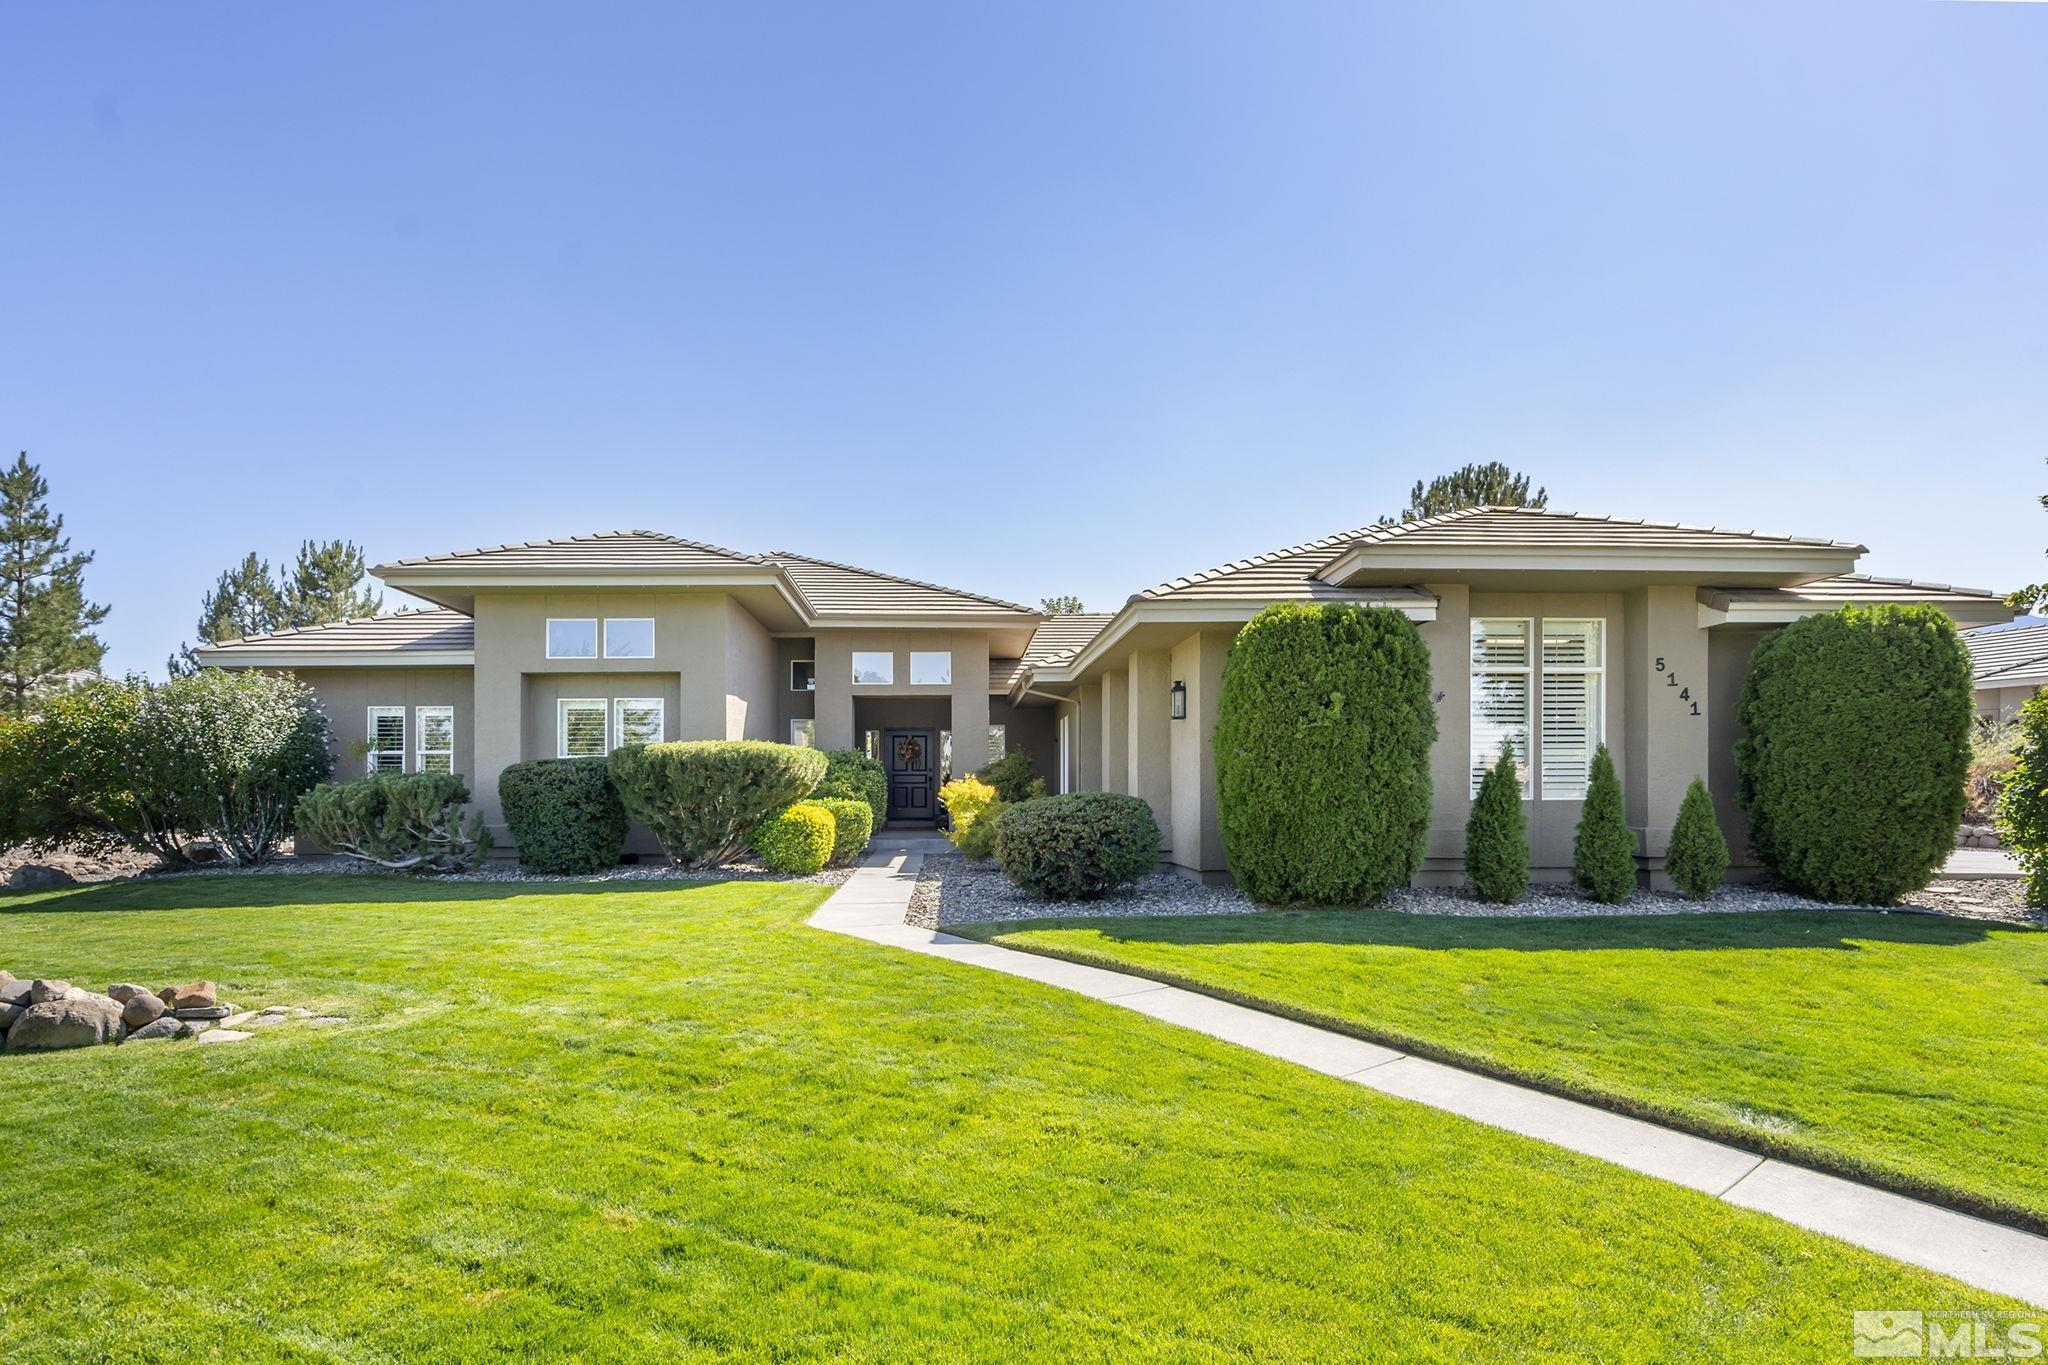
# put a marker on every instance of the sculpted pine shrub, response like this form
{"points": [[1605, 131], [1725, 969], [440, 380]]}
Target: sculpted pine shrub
{"points": [[1698, 856], [1604, 850], [1496, 836]]}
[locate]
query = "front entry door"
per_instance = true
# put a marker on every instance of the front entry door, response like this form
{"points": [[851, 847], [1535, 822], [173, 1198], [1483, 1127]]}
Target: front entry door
{"points": [[913, 769]]}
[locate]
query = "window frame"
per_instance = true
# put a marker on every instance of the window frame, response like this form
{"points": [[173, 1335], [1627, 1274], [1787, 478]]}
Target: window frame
{"points": [[945, 654], [854, 661], [812, 684], [998, 743], [370, 760], [1596, 724], [596, 636], [421, 753], [806, 726], [605, 637], [604, 712], [1530, 675], [618, 719]]}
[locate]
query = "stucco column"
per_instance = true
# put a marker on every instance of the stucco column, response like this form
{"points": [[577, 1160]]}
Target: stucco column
{"points": [[1666, 679], [1449, 638], [1196, 836], [832, 671], [1116, 728], [970, 704], [500, 694], [1086, 728], [1151, 764]]}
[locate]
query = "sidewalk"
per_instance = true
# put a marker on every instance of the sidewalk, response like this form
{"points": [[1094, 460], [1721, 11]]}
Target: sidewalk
{"points": [[1987, 1255]]}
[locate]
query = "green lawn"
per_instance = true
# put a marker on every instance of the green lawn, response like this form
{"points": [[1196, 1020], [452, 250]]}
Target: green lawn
{"points": [[1902, 1047], [621, 1122]]}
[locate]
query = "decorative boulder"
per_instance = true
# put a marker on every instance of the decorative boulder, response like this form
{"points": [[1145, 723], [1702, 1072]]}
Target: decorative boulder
{"points": [[192, 995], [14, 992], [8, 1014], [124, 991], [162, 1028], [224, 1035], [47, 990], [140, 1011], [36, 877], [83, 1022]]}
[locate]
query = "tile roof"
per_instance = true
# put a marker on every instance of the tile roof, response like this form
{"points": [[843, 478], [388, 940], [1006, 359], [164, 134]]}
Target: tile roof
{"points": [[843, 590], [1059, 637], [399, 633], [1489, 527], [2014, 651], [604, 552], [1851, 588]]}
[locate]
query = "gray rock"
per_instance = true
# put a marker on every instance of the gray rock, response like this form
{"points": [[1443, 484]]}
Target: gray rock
{"points": [[206, 1012], [8, 1014], [162, 1028], [65, 1023], [140, 1011], [36, 877], [14, 992], [124, 991], [45, 990], [224, 1035]]}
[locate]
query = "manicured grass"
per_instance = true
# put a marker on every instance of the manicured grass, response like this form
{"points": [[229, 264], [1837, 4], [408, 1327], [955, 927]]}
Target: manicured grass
{"points": [[629, 1123], [1904, 1048]]}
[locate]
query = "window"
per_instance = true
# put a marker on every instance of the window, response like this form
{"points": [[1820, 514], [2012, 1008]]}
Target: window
{"points": [[580, 724], [629, 637], [803, 675], [804, 734], [1573, 697], [386, 732], [934, 669], [637, 720], [1065, 725], [871, 744], [945, 757], [572, 639], [1500, 695], [874, 666], [436, 728], [998, 742]]}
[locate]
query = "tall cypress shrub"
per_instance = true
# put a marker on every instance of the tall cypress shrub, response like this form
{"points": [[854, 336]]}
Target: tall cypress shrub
{"points": [[1698, 856], [1323, 731], [1604, 849], [1859, 742], [1496, 835]]}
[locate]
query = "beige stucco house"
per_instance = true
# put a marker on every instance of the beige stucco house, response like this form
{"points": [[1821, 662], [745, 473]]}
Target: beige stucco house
{"points": [[2011, 665], [1551, 631]]}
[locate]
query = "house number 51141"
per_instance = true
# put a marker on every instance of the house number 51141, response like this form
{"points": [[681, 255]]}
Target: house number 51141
{"points": [[1671, 680]]}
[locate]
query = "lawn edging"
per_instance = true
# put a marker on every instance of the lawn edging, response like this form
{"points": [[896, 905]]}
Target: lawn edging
{"points": [[1734, 1135]]}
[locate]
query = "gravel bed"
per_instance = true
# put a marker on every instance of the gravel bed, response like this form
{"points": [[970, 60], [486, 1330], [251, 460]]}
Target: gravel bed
{"points": [[951, 890]]}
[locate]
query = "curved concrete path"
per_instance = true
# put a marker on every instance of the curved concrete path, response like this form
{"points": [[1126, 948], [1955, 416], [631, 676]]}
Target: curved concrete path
{"points": [[1990, 1256]]}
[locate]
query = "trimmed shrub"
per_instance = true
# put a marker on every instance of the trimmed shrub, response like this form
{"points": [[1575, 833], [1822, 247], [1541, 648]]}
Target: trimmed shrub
{"points": [[796, 839], [1604, 849], [965, 799], [1698, 856], [407, 822], [1859, 741], [1079, 846], [852, 774], [853, 824], [1323, 731], [564, 814], [1496, 838], [977, 842], [1013, 779], [2023, 805], [701, 797]]}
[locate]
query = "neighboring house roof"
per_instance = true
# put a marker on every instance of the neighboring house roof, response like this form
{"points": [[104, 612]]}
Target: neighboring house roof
{"points": [[1282, 575], [1058, 636], [2011, 657], [844, 590], [604, 552], [394, 637]]}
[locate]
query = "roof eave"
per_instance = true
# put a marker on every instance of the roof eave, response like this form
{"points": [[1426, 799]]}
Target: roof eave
{"points": [[336, 658], [1405, 559]]}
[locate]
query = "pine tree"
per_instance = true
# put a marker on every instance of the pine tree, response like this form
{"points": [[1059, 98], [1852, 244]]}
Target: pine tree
{"points": [[1604, 850], [1698, 855], [46, 625], [1496, 837], [1476, 485], [323, 587], [246, 601], [1061, 606]]}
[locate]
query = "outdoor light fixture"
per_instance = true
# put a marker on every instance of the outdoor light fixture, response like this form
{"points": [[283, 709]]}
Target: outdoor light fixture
{"points": [[1180, 700]]}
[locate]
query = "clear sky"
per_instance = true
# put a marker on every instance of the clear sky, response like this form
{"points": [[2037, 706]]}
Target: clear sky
{"points": [[1027, 298]]}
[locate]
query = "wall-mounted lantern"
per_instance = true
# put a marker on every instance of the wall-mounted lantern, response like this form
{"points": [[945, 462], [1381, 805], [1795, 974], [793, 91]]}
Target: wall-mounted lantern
{"points": [[1180, 700]]}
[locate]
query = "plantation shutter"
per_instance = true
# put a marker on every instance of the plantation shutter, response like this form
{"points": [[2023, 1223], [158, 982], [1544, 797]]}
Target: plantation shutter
{"points": [[582, 729], [387, 739], [1572, 701], [436, 726], [637, 720], [1500, 695]]}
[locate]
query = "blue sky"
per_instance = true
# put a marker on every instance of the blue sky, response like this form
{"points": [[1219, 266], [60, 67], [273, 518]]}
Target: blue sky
{"points": [[1030, 299]]}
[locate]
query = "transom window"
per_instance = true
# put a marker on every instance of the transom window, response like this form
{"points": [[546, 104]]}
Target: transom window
{"points": [[580, 728], [573, 638], [435, 726], [803, 675], [874, 666], [386, 733], [931, 669], [1550, 689], [637, 720], [998, 741], [629, 637]]}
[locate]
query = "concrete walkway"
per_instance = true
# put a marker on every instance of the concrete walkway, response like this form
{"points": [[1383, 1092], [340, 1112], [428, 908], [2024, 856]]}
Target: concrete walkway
{"points": [[1993, 863], [871, 906]]}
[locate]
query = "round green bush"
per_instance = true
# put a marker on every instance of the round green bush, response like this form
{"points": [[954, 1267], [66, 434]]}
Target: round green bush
{"points": [[1604, 848], [1076, 847], [700, 797], [1323, 731], [1013, 778], [796, 839], [1859, 741], [564, 815], [1496, 835], [1697, 857], [2023, 804], [853, 824], [852, 774]]}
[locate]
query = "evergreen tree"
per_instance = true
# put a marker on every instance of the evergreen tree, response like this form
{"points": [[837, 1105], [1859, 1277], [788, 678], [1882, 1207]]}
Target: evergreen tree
{"points": [[246, 601], [1698, 855], [1604, 850], [46, 625], [1476, 485], [1061, 606], [324, 586], [1496, 834]]}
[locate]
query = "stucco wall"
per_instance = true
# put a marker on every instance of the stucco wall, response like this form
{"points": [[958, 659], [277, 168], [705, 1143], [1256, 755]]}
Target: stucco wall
{"points": [[752, 705], [345, 695], [966, 695], [1729, 649], [2002, 703]]}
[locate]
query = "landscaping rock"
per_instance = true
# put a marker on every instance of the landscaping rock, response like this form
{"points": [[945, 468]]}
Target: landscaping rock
{"points": [[37, 877], [124, 991], [47, 990], [224, 1035], [140, 1011], [210, 1013], [14, 992], [8, 1014], [238, 1020], [162, 1028], [65, 1023], [192, 995]]}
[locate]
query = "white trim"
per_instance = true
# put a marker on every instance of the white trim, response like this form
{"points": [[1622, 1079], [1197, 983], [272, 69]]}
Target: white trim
{"points": [[419, 738], [562, 705], [1405, 557], [1066, 724], [605, 631], [371, 765], [1596, 671], [311, 658], [806, 726], [596, 636], [853, 660], [1528, 673], [1206, 610], [618, 718]]}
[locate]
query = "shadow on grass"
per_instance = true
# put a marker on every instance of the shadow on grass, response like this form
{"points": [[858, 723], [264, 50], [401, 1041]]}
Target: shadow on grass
{"points": [[231, 891]]}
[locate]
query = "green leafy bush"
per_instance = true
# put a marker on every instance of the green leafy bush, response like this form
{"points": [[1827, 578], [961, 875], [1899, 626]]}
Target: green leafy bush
{"points": [[1496, 836], [1077, 847], [564, 815], [852, 774], [977, 842], [407, 822], [700, 797], [1323, 732], [2023, 806], [1859, 741], [796, 839], [218, 755], [1994, 750], [1604, 849], [853, 824], [966, 799], [1698, 856], [1013, 779]]}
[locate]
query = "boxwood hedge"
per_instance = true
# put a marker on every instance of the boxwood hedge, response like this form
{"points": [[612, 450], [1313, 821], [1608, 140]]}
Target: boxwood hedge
{"points": [[564, 815]]}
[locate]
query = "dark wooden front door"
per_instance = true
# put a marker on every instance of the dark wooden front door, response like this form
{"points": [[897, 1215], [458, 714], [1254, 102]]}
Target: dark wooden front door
{"points": [[913, 774]]}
